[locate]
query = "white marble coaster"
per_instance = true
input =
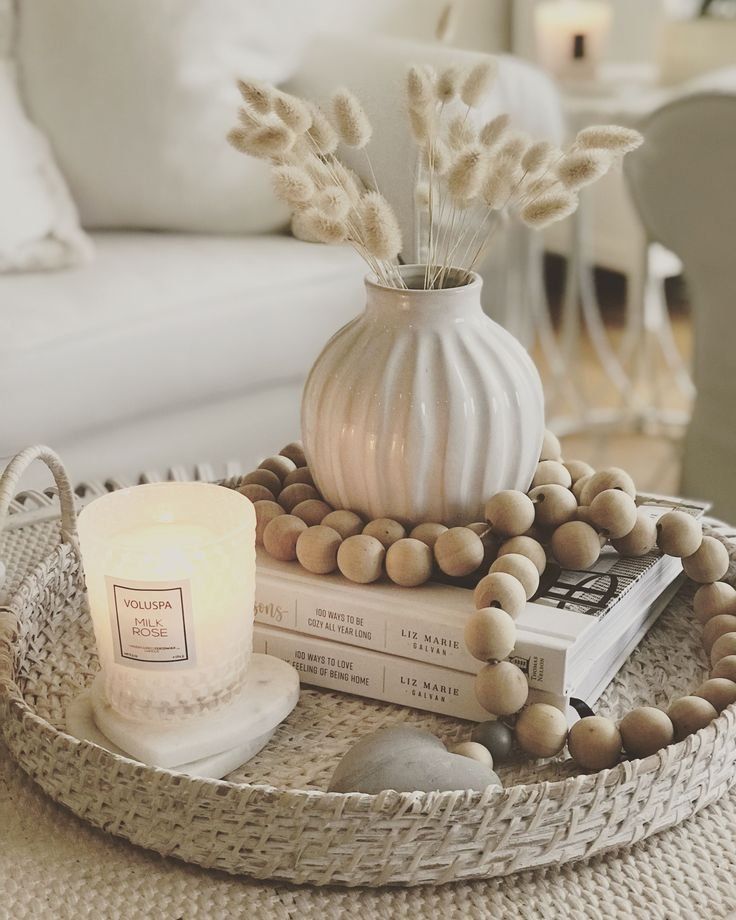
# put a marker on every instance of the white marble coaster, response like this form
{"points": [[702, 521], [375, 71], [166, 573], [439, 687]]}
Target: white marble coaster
{"points": [[270, 692], [80, 722]]}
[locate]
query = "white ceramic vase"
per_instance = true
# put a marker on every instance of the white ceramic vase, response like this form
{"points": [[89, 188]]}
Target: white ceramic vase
{"points": [[422, 407]]}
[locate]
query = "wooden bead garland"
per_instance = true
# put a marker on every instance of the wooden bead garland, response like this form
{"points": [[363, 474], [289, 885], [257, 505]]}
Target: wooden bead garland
{"points": [[409, 562], [570, 506], [459, 551]]}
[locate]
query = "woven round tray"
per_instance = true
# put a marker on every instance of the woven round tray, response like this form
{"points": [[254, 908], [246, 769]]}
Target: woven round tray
{"points": [[271, 819]]}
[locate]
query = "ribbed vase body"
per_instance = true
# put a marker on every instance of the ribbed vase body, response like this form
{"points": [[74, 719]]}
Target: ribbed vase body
{"points": [[421, 408]]}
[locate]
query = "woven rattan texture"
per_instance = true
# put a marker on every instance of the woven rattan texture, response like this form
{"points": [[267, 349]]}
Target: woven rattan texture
{"points": [[687, 871]]}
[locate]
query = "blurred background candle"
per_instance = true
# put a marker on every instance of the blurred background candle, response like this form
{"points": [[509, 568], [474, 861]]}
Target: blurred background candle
{"points": [[170, 572], [571, 36]]}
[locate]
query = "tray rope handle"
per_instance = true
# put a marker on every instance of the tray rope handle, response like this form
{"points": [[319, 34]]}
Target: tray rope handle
{"points": [[15, 469]]}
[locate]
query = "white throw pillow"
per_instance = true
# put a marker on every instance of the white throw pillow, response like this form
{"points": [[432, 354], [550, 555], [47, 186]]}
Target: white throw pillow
{"points": [[39, 227], [137, 96]]}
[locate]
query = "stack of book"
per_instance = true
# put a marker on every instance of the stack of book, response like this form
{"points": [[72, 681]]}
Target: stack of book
{"points": [[405, 645]]}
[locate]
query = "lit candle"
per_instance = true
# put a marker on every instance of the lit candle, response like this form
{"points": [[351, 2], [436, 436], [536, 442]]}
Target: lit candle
{"points": [[570, 36], [170, 572]]}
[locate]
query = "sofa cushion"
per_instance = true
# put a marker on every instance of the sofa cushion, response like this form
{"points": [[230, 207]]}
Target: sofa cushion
{"points": [[39, 226], [137, 97], [162, 321]]}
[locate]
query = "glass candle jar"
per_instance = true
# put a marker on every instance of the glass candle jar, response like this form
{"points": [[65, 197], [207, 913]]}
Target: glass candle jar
{"points": [[170, 573]]}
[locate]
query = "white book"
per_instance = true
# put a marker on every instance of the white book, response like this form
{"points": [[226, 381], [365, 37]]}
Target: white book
{"points": [[574, 614], [431, 687]]}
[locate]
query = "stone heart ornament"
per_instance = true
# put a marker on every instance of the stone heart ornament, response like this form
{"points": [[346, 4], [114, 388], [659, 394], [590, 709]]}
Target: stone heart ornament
{"points": [[408, 759]]}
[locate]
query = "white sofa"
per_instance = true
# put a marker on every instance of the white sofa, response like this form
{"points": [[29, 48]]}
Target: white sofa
{"points": [[173, 347]]}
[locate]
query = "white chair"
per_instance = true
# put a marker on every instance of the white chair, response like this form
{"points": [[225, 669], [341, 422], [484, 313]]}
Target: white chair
{"points": [[682, 181]]}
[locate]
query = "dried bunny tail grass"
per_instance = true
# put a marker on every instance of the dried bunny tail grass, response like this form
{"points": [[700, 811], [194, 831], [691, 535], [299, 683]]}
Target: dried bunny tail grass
{"points": [[609, 137], [514, 148], [259, 96], [496, 188], [478, 82], [240, 138], [581, 167], [272, 141], [460, 133], [421, 195], [549, 208], [250, 119], [420, 90], [349, 181], [293, 112], [351, 121], [302, 227], [322, 227], [493, 130], [445, 28], [448, 84], [538, 157], [333, 201], [531, 188], [466, 174], [437, 157], [319, 172], [292, 184], [321, 132], [419, 122], [381, 232]]}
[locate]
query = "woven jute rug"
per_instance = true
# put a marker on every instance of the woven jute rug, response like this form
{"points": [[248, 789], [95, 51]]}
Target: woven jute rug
{"points": [[54, 865]]}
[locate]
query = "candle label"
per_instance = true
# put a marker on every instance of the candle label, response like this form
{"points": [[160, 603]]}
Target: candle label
{"points": [[151, 622]]}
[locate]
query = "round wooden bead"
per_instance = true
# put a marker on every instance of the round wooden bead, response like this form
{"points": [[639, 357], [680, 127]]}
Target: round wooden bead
{"points": [[295, 494], [646, 730], [678, 534], [279, 465], [551, 448], [554, 505], [579, 486], [409, 562], [719, 691], [577, 469], [595, 743], [610, 478], [709, 562], [300, 474], [428, 533], [584, 515], [295, 453], [726, 667], [316, 549], [264, 478], [522, 568], [717, 627], [490, 634], [312, 511], [713, 600], [496, 736], [541, 730], [613, 512], [459, 552], [280, 536], [474, 751], [500, 589], [689, 714], [480, 527], [551, 472], [256, 493], [266, 511], [724, 645], [510, 513], [501, 688], [346, 523], [386, 530], [576, 545], [641, 539], [360, 558], [526, 546]]}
